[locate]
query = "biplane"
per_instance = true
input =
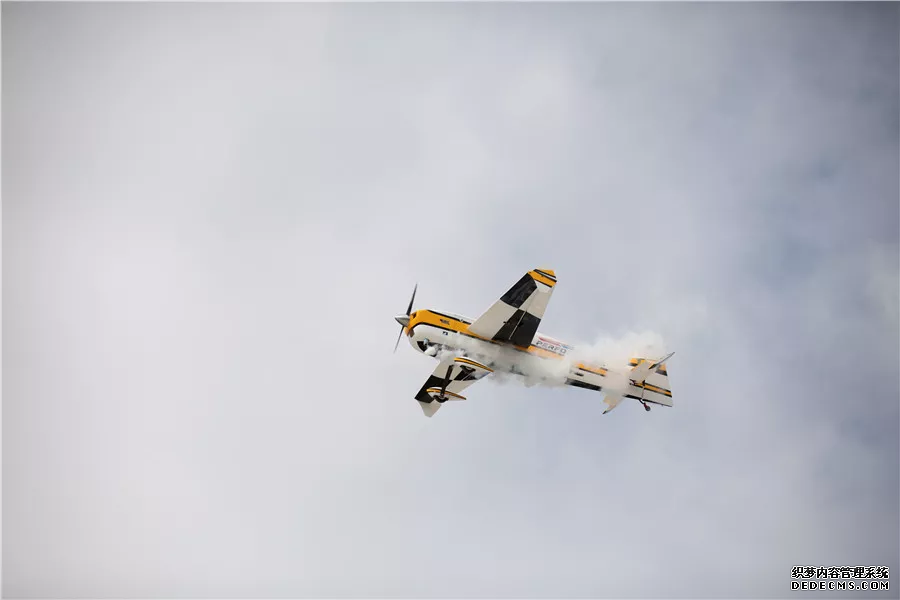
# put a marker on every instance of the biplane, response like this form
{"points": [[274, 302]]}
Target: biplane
{"points": [[505, 339]]}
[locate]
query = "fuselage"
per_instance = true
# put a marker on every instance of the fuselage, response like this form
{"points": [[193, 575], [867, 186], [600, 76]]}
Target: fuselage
{"points": [[429, 328], [545, 360]]}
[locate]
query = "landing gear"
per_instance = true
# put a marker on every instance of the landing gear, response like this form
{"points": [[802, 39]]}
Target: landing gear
{"points": [[442, 397], [646, 406]]}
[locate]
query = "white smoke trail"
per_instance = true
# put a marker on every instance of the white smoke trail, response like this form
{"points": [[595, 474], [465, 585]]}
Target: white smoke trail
{"points": [[611, 353], [608, 352], [616, 352]]}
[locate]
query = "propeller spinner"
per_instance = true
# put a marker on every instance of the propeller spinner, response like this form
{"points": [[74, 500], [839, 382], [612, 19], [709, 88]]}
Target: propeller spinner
{"points": [[404, 319]]}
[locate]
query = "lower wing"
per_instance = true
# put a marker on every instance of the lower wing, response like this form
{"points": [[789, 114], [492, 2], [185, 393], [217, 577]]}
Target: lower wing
{"points": [[452, 375]]}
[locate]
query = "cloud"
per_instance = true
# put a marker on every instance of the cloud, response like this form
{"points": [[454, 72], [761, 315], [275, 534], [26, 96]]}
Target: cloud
{"points": [[212, 212]]}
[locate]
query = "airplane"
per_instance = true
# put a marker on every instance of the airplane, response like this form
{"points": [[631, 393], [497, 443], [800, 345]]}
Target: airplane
{"points": [[505, 339]]}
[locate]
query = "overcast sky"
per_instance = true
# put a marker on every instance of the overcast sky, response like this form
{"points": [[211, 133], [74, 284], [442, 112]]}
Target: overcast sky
{"points": [[211, 213]]}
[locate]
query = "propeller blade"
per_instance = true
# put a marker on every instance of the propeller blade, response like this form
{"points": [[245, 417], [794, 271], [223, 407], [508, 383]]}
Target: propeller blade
{"points": [[398, 338], [401, 319], [411, 300]]}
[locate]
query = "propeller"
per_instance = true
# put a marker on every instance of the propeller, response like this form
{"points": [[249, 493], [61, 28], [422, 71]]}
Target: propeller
{"points": [[404, 319]]}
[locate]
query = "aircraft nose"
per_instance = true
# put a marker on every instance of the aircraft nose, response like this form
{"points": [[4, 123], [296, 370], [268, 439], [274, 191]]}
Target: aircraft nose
{"points": [[402, 319]]}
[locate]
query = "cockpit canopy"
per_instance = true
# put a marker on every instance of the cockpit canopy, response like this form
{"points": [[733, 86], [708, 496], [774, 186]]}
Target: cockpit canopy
{"points": [[455, 316]]}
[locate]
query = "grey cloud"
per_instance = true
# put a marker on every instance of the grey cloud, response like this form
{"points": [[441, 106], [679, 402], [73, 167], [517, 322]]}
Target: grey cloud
{"points": [[211, 213]]}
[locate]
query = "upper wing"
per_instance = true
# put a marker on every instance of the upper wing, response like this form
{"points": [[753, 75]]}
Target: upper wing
{"points": [[452, 375], [516, 316]]}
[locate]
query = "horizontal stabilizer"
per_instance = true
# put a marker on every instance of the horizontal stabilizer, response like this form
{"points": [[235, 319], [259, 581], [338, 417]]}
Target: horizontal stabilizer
{"points": [[612, 400], [645, 367], [656, 365]]}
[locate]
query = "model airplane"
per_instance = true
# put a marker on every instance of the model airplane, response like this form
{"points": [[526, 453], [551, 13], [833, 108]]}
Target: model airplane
{"points": [[506, 339]]}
